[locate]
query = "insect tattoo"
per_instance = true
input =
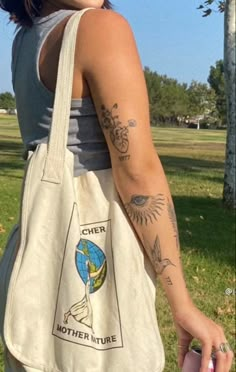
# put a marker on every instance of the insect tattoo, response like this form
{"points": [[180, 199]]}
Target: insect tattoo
{"points": [[118, 131], [143, 209], [172, 216], [159, 263]]}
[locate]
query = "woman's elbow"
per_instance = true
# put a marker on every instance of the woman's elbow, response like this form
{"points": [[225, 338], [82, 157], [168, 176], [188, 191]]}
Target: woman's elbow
{"points": [[138, 173]]}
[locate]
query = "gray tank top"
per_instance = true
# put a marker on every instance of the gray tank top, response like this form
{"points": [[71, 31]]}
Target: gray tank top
{"points": [[35, 102]]}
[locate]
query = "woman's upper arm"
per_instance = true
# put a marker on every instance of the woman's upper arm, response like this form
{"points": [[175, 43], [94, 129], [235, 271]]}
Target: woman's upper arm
{"points": [[110, 63]]}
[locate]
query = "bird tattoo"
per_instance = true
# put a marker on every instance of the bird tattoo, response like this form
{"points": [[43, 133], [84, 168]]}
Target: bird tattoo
{"points": [[159, 263]]}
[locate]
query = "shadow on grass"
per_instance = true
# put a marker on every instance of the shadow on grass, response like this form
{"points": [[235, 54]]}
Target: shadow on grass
{"points": [[186, 163], [208, 228], [198, 176], [203, 170], [7, 167], [10, 146], [10, 158]]}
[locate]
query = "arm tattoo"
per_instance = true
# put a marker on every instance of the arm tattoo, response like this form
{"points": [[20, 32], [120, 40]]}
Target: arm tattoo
{"points": [[118, 131], [169, 281], [159, 263], [172, 216], [143, 209]]}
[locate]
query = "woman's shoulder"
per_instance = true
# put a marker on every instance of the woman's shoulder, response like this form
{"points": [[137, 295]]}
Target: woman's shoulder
{"points": [[99, 23], [19, 33], [103, 34], [104, 15]]}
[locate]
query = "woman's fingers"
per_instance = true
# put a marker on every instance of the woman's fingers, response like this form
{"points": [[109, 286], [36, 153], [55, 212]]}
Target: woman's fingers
{"points": [[229, 360], [194, 324], [222, 352], [224, 357], [182, 351], [206, 357]]}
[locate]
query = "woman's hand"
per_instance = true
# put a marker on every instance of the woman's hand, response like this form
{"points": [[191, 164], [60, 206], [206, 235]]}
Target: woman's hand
{"points": [[192, 323]]}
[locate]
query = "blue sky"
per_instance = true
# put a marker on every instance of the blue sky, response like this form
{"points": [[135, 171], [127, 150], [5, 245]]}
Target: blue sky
{"points": [[172, 38]]}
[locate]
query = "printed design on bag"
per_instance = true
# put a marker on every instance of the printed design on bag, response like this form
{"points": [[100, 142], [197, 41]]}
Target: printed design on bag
{"points": [[87, 309], [91, 265]]}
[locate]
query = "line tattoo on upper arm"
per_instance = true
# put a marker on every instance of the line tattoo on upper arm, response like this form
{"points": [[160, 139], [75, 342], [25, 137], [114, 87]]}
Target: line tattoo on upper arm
{"points": [[159, 263], [118, 131], [143, 209]]}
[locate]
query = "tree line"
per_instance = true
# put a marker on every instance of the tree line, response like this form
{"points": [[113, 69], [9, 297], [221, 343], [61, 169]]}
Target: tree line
{"points": [[174, 103], [7, 101]]}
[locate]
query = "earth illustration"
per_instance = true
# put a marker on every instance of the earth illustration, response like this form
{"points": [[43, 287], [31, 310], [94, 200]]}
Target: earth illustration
{"points": [[91, 264]]}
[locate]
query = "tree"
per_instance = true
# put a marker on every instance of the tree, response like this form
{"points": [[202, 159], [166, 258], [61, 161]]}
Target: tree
{"points": [[210, 6], [216, 80], [228, 7], [7, 101], [229, 194], [172, 102], [201, 99]]}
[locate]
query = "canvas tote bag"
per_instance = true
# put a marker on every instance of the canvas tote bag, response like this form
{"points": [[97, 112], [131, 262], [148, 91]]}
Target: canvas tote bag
{"points": [[79, 291]]}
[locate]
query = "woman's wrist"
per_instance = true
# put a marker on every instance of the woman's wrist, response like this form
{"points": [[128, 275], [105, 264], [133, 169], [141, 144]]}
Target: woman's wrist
{"points": [[180, 311], [176, 291]]}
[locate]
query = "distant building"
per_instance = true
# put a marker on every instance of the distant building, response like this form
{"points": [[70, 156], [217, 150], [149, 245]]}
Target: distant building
{"points": [[194, 121], [3, 111], [12, 112]]}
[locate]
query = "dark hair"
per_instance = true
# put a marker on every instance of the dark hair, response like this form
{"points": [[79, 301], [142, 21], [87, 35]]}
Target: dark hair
{"points": [[23, 11]]}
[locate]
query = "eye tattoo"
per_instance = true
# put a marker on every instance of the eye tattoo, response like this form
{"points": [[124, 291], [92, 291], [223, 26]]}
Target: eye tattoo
{"points": [[143, 209], [118, 131]]}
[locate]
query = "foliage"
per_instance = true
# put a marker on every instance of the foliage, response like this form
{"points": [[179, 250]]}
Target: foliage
{"points": [[212, 5], [201, 99], [217, 82], [7, 101], [168, 99], [172, 102]]}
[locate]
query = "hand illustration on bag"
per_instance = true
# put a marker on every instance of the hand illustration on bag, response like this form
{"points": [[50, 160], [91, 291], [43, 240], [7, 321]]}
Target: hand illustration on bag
{"points": [[82, 311], [91, 265]]}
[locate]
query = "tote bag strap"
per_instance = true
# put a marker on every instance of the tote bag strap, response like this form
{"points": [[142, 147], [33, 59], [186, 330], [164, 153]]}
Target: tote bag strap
{"points": [[55, 160]]}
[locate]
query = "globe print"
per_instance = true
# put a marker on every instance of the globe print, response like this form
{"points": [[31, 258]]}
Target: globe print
{"points": [[91, 264]]}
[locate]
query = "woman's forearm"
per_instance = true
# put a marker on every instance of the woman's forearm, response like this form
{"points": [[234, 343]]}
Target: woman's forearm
{"points": [[149, 205]]}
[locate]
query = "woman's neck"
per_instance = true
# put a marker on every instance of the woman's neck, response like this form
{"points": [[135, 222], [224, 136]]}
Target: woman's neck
{"points": [[49, 7]]}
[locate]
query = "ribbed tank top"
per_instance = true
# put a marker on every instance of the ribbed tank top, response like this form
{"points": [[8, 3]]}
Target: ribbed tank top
{"points": [[35, 102]]}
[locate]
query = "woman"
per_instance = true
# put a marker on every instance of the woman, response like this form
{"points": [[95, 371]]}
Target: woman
{"points": [[108, 71]]}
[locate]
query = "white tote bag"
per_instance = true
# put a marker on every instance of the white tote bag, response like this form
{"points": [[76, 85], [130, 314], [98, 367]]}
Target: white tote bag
{"points": [[79, 291]]}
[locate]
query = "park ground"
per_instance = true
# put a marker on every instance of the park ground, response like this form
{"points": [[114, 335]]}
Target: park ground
{"points": [[194, 164]]}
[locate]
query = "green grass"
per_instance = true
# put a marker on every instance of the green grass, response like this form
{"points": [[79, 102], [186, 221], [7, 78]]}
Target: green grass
{"points": [[193, 161]]}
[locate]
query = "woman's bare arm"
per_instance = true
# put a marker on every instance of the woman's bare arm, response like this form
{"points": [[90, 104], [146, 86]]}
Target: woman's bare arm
{"points": [[114, 73], [108, 59]]}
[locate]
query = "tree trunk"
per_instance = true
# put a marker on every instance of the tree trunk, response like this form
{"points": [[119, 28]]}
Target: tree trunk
{"points": [[229, 193]]}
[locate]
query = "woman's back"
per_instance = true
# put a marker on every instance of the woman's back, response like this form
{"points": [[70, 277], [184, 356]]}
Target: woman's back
{"points": [[35, 100]]}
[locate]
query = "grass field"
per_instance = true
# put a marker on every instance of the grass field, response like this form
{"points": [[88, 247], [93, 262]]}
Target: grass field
{"points": [[193, 161]]}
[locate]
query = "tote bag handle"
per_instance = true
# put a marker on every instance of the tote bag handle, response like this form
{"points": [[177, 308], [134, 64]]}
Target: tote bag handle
{"points": [[57, 143]]}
